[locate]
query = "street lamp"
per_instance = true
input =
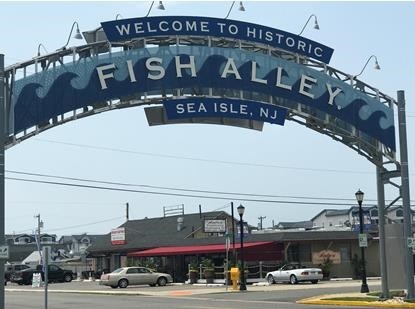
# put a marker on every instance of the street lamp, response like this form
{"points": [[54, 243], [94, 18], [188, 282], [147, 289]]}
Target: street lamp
{"points": [[359, 197], [242, 285]]}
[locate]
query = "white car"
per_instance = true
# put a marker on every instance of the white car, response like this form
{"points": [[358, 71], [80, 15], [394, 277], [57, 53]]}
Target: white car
{"points": [[294, 273]]}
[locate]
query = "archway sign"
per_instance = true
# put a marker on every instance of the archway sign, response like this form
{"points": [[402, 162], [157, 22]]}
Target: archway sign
{"points": [[204, 70]]}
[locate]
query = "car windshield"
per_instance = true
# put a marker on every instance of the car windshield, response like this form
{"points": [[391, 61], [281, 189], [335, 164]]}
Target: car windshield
{"points": [[117, 270]]}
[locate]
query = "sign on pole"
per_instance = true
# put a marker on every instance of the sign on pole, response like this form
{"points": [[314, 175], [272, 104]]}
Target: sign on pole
{"points": [[362, 240], [410, 241], [4, 252]]}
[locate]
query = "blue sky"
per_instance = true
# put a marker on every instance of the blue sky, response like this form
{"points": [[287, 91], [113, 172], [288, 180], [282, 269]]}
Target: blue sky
{"points": [[119, 146]]}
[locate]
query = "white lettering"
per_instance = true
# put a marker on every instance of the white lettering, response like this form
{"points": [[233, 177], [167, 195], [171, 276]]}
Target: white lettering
{"points": [[253, 74], [268, 36], [221, 25], [191, 107], [318, 52], [233, 29], [155, 68], [131, 71], [332, 94], [304, 85], [102, 77], [180, 108], [202, 108], [250, 32], [279, 82], [230, 68], [191, 26], [301, 45], [263, 112], [180, 66], [290, 42], [223, 107], [177, 25], [164, 23], [138, 27], [243, 109], [204, 26], [124, 30], [149, 29]]}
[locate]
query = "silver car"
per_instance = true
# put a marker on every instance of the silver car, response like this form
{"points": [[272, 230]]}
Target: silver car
{"points": [[125, 276], [294, 273]]}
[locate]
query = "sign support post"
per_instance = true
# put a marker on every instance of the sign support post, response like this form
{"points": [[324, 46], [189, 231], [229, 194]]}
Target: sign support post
{"points": [[407, 213], [2, 200]]}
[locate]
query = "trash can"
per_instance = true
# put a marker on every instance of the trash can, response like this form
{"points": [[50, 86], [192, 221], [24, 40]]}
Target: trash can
{"points": [[235, 277]]}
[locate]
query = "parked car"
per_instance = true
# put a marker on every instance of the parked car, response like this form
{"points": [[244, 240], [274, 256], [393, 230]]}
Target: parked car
{"points": [[125, 276], [55, 274], [10, 269], [294, 273]]}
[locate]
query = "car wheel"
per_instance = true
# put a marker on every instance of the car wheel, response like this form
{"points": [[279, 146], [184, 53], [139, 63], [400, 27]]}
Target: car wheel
{"points": [[162, 281], [314, 281], [270, 279], [123, 283], [293, 279], [67, 278]]}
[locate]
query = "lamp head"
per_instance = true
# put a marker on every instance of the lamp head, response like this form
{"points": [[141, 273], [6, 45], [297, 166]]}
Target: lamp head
{"points": [[241, 210], [78, 34], [316, 26], [377, 66], [161, 6], [359, 196]]}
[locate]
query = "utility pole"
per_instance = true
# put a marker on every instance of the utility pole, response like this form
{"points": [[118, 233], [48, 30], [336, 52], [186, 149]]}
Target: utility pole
{"points": [[260, 221], [39, 226], [127, 211]]}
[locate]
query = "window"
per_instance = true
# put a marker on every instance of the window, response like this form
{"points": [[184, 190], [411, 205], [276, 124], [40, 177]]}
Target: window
{"points": [[374, 213], [344, 254], [22, 240], [399, 213], [46, 239], [133, 271]]}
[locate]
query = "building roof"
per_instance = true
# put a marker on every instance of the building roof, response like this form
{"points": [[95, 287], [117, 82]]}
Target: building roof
{"points": [[295, 225], [161, 231]]}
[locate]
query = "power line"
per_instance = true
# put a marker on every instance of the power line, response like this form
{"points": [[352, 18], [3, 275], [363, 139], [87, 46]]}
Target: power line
{"points": [[182, 189], [202, 159], [178, 194]]}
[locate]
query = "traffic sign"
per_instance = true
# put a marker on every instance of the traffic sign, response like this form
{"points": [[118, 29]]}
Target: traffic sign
{"points": [[410, 241], [362, 240], [4, 252]]}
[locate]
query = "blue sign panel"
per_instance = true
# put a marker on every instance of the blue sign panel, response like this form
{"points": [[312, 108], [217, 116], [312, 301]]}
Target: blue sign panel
{"points": [[127, 29], [218, 107], [215, 71]]}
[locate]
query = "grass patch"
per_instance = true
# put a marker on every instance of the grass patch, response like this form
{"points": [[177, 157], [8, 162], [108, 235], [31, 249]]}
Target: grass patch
{"points": [[393, 293]]}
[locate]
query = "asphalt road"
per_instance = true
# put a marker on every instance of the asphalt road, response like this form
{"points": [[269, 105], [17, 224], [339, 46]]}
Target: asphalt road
{"points": [[171, 297]]}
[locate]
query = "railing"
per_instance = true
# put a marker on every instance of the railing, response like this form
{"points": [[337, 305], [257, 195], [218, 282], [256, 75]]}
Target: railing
{"points": [[254, 272]]}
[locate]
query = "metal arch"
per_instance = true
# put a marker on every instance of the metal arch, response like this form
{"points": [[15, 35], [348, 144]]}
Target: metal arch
{"points": [[297, 114], [387, 165]]}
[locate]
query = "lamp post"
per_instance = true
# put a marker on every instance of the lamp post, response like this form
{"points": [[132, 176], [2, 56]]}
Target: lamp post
{"points": [[242, 285], [359, 197]]}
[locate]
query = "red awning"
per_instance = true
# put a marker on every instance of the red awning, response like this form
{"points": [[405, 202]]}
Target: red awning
{"points": [[186, 250]]}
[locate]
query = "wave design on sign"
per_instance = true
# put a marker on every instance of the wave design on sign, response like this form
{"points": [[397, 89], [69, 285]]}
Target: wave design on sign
{"points": [[69, 91]]}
